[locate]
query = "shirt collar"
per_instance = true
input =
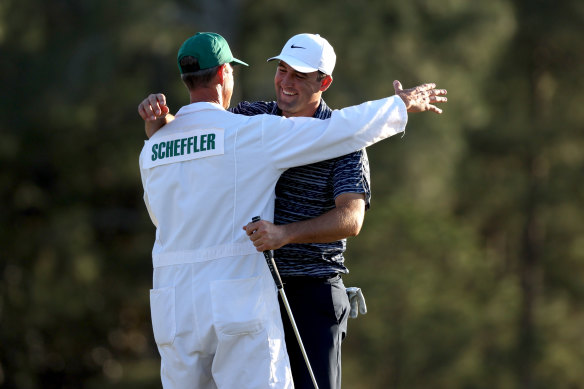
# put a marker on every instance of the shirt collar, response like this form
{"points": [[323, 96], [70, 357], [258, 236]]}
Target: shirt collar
{"points": [[320, 113], [197, 107], [323, 111]]}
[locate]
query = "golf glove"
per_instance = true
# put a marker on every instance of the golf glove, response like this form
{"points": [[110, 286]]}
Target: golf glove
{"points": [[357, 302]]}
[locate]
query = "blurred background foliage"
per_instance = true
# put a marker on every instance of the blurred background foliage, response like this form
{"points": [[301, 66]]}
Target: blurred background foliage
{"points": [[472, 255]]}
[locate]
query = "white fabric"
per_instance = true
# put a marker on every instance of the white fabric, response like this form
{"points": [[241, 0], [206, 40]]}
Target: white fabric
{"points": [[217, 324], [308, 53], [214, 305]]}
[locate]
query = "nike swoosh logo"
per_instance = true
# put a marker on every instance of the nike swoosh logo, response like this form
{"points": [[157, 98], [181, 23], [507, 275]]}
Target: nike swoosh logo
{"points": [[297, 47]]}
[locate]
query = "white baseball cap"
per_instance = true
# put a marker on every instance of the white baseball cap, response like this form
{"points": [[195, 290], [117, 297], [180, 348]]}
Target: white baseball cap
{"points": [[308, 53]]}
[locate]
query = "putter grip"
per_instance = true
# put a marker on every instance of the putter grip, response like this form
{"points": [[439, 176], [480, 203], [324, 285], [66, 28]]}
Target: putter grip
{"points": [[270, 261]]}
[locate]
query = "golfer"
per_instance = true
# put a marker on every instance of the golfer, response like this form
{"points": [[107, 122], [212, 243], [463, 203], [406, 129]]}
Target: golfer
{"points": [[214, 305]]}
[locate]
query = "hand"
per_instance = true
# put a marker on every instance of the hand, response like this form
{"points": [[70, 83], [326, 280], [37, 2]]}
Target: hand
{"points": [[421, 98], [357, 302], [266, 235], [153, 107]]}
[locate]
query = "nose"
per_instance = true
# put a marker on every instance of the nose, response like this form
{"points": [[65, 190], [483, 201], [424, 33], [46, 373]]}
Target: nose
{"points": [[287, 79]]}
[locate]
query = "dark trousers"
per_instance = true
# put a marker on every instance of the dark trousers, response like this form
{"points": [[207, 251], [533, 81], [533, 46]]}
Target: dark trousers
{"points": [[321, 309]]}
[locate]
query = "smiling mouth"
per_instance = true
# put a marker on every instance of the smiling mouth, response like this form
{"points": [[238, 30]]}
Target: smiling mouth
{"points": [[285, 93]]}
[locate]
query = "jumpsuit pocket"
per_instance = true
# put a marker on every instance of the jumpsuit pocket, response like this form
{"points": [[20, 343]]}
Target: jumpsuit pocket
{"points": [[238, 305], [162, 309]]}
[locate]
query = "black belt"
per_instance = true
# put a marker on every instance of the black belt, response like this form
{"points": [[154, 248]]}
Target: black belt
{"points": [[310, 279]]}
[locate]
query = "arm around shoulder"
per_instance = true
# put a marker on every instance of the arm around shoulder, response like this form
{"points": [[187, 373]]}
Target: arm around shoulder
{"points": [[155, 113], [151, 126]]}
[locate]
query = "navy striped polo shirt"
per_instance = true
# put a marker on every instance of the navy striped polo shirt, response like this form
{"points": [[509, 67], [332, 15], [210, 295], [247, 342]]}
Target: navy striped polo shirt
{"points": [[308, 191]]}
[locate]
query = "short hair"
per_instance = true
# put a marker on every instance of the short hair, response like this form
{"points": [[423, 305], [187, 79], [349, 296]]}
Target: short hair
{"points": [[320, 76], [193, 76]]}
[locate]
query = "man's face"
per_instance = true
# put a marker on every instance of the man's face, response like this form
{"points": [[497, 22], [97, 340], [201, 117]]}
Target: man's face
{"points": [[297, 94]]}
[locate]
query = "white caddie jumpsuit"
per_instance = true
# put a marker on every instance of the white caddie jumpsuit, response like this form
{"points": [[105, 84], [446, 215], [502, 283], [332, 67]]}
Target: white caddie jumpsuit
{"points": [[214, 306]]}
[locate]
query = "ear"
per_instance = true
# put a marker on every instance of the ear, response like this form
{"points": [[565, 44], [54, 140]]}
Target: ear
{"points": [[325, 83], [221, 72]]}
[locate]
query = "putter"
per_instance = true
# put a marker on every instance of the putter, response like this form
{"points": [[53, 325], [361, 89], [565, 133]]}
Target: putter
{"points": [[276, 276]]}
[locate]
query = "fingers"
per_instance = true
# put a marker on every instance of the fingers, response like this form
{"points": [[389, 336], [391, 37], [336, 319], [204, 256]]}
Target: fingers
{"points": [[253, 232], [428, 96], [157, 99], [425, 87], [429, 91], [434, 109], [256, 239], [145, 111], [397, 86], [265, 235], [437, 98], [153, 106], [157, 102], [250, 228]]}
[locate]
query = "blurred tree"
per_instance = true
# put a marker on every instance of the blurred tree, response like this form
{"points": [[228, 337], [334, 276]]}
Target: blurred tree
{"points": [[522, 174], [75, 266]]}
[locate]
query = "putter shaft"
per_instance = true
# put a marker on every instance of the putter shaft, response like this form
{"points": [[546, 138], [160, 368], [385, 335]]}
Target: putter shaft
{"points": [[278, 280]]}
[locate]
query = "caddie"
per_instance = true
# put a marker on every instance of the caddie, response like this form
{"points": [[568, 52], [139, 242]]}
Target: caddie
{"points": [[215, 313]]}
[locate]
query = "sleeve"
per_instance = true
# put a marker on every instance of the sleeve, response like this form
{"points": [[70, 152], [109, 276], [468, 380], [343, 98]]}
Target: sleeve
{"points": [[351, 175], [291, 142], [251, 109]]}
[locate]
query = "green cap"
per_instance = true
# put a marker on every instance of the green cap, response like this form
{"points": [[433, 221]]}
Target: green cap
{"points": [[209, 49]]}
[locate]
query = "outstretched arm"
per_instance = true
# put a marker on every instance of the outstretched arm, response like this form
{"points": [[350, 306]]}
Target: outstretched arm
{"points": [[341, 222], [154, 112]]}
